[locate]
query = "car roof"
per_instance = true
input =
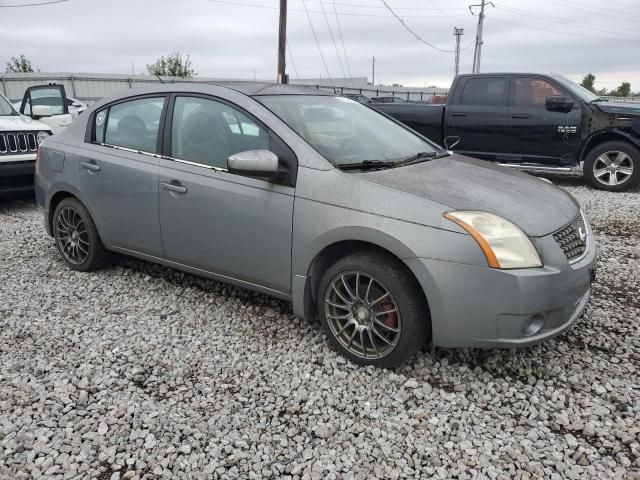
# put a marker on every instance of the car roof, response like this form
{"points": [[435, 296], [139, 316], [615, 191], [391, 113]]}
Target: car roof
{"points": [[245, 87], [517, 74], [250, 89]]}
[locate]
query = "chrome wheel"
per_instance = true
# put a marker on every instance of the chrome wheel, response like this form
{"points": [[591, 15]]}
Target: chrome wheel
{"points": [[613, 168], [72, 236], [362, 314]]}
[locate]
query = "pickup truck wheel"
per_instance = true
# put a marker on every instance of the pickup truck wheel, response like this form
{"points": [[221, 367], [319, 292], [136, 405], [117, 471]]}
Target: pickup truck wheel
{"points": [[76, 236], [613, 166], [372, 310]]}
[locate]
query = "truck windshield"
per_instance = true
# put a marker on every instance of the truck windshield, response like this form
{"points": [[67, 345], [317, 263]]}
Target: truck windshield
{"points": [[578, 90], [344, 131], [5, 107]]}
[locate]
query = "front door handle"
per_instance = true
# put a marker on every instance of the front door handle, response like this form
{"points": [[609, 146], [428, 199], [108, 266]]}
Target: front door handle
{"points": [[520, 115], [173, 188], [459, 114], [91, 166]]}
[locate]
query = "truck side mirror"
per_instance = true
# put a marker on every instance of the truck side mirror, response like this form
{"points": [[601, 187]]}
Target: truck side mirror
{"points": [[558, 104]]}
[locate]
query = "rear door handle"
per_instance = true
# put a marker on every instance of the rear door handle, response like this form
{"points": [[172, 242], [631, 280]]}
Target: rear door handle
{"points": [[520, 115], [91, 166], [459, 114], [173, 188]]}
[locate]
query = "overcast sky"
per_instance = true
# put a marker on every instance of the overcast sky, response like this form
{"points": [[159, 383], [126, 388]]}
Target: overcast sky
{"points": [[231, 38]]}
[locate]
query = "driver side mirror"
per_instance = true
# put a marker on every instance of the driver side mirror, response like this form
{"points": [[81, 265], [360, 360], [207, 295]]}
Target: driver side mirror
{"points": [[39, 111], [255, 163], [558, 104]]}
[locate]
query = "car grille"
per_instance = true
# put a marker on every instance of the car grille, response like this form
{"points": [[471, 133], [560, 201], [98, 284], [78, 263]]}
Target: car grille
{"points": [[18, 143], [572, 239]]}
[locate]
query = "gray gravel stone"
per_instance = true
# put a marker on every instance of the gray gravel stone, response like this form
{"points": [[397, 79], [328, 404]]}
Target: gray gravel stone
{"points": [[138, 371]]}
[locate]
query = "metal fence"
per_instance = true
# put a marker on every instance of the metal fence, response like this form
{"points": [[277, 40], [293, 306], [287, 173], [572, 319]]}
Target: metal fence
{"points": [[89, 87], [409, 96]]}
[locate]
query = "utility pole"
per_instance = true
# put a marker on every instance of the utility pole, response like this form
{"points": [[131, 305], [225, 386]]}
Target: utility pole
{"points": [[458, 32], [282, 43], [477, 52], [373, 71]]}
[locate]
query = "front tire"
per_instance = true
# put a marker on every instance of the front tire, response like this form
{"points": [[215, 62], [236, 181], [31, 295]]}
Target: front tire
{"points": [[76, 237], [613, 166], [372, 310]]}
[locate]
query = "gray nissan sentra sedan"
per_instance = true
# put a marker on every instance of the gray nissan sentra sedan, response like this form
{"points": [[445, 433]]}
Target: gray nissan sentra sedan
{"points": [[318, 199]]}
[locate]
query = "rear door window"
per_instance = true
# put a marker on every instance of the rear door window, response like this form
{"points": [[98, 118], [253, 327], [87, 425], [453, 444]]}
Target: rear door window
{"points": [[487, 91], [133, 124]]}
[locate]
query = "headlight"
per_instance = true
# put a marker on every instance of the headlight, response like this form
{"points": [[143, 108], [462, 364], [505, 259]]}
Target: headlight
{"points": [[42, 136], [504, 245]]}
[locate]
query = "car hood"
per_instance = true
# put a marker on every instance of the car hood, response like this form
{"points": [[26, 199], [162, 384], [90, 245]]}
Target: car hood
{"points": [[21, 124], [461, 183], [627, 108]]}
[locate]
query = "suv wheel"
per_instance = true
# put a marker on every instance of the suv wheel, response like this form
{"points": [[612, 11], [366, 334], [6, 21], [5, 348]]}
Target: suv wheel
{"points": [[76, 236], [613, 166], [372, 310]]}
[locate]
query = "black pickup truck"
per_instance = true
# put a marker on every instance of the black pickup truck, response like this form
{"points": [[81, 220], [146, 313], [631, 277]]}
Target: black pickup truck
{"points": [[533, 122]]}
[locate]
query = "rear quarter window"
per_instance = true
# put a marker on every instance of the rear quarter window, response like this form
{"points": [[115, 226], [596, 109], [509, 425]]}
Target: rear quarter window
{"points": [[100, 123]]}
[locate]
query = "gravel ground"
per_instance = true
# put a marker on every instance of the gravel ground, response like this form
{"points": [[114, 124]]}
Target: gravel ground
{"points": [[139, 371]]}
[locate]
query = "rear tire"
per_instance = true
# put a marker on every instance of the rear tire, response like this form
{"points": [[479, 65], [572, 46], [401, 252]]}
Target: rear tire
{"points": [[372, 310], [77, 238], [613, 166]]}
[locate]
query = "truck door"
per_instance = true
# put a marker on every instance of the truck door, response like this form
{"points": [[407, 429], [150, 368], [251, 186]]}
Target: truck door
{"points": [[478, 115], [47, 104], [539, 133]]}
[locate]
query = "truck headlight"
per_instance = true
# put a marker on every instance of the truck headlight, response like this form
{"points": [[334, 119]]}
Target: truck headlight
{"points": [[42, 136], [504, 245]]}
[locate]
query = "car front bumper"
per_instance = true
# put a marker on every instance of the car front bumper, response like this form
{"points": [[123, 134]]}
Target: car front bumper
{"points": [[474, 306], [16, 175]]}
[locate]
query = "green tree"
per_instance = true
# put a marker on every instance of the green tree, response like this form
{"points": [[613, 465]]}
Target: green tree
{"points": [[622, 91], [19, 65], [588, 82], [173, 65]]}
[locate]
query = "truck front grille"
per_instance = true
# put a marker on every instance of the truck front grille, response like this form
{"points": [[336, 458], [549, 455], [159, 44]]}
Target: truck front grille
{"points": [[572, 239], [18, 143]]}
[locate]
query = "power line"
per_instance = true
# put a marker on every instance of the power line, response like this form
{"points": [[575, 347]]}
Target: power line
{"points": [[335, 47], [344, 50], [589, 10], [292, 62], [366, 5], [349, 14], [313, 30], [539, 16], [38, 4], [406, 27], [564, 33]]}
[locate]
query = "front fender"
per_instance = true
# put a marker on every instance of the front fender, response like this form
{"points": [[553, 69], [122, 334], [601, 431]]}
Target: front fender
{"points": [[631, 135]]}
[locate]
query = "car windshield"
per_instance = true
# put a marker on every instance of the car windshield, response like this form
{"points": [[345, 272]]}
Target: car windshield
{"points": [[578, 90], [344, 131], [6, 109]]}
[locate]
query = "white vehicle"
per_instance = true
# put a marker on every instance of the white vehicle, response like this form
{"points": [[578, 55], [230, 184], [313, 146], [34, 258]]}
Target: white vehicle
{"points": [[76, 107], [20, 137], [53, 108]]}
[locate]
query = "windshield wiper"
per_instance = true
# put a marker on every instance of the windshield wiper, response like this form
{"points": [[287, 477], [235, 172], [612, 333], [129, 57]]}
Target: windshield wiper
{"points": [[596, 100], [365, 165], [422, 157]]}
